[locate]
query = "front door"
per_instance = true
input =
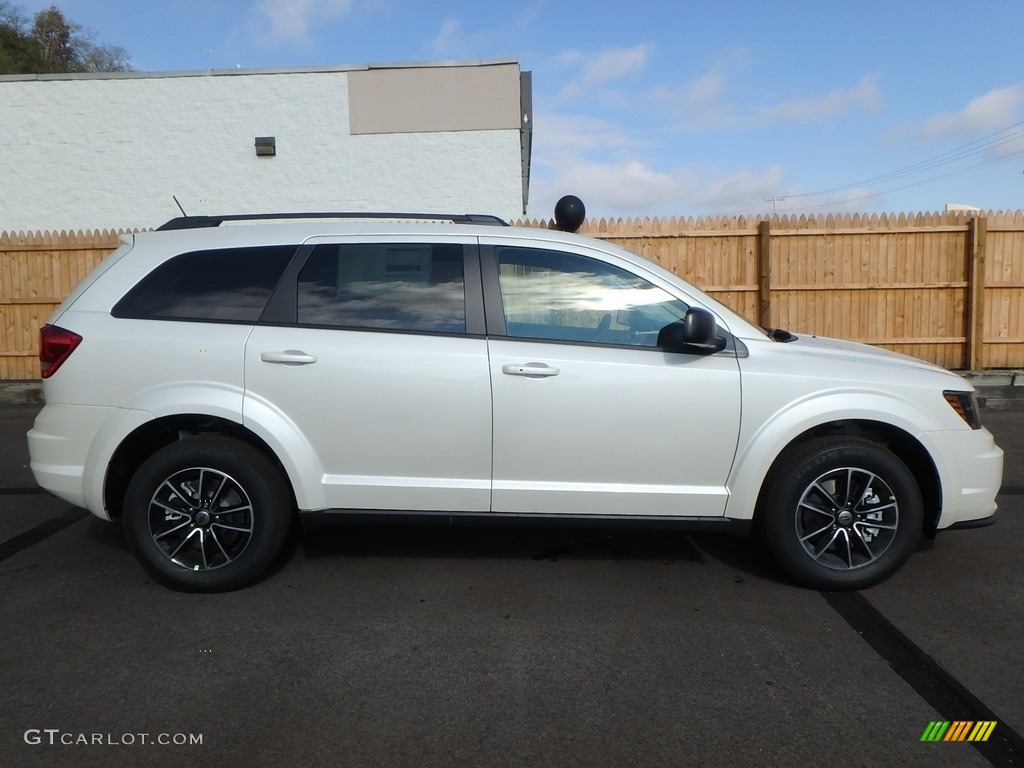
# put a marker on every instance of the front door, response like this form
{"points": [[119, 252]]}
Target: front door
{"points": [[590, 417]]}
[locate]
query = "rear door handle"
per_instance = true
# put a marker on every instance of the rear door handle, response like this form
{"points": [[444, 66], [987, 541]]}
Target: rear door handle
{"points": [[531, 370], [288, 357]]}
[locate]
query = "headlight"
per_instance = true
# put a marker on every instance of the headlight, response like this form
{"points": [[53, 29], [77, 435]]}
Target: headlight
{"points": [[966, 405]]}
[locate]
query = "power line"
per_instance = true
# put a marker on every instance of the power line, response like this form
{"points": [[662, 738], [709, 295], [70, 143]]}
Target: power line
{"points": [[992, 141], [976, 147], [950, 174]]}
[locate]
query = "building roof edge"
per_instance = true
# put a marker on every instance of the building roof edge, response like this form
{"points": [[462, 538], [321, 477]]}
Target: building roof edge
{"points": [[133, 75]]}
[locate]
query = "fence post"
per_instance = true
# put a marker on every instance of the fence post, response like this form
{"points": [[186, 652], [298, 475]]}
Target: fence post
{"points": [[977, 229], [764, 272]]}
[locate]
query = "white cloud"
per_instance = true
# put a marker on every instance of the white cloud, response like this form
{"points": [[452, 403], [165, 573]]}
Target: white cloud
{"points": [[558, 134], [452, 41], [701, 104], [289, 21], [625, 186], [616, 64], [446, 39], [991, 112], [609, 156], [864, 96], [739, 189], [707, 91], [563, 144], [633, 187], [596, 71], [706, 105]]}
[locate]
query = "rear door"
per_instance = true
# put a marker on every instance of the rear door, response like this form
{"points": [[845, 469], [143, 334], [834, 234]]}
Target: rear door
{"points": [[590, 417], [374, 365]]}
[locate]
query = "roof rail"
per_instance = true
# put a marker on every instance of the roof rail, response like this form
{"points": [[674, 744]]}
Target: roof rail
{"points": [[198, 222]]}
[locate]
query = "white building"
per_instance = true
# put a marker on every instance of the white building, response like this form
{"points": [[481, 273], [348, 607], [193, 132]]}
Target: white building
{"points": [[113, 150]]}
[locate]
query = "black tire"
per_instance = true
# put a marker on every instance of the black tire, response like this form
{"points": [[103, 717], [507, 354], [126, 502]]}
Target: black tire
{"points": [[207, 514], [840, 513]]}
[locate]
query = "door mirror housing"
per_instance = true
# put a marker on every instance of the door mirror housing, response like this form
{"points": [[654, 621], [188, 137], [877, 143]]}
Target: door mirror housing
{"points": [[695, 334]]}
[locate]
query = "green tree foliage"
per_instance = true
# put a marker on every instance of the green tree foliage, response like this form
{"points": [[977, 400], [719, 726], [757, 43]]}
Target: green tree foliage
{"points": [[52, 44], [18, 52]]}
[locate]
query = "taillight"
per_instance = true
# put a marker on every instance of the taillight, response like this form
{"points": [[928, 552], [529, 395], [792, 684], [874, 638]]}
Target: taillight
{"points": [[55, 346]]}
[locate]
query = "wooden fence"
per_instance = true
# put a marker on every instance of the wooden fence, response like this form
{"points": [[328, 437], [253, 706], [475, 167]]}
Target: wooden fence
{"points": [[37, 270], [944, 287], [947, 288]]}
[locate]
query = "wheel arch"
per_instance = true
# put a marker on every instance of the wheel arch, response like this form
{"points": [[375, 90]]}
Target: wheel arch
{"points": [[901, 443], [157, 433]]}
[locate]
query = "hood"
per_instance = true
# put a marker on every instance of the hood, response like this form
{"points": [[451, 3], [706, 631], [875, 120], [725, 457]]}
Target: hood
{"points": [[863, 354]]}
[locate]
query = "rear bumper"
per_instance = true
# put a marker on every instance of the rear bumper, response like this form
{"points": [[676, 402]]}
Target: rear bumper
{"points": [[70, 447], [58, 445]]}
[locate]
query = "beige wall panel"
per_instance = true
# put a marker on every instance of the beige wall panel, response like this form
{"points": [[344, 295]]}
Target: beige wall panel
{"points": [[431, 99]]}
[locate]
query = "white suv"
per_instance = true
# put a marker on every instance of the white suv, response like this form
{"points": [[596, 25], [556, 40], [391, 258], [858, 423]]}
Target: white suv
{"points": [[207, 381]]}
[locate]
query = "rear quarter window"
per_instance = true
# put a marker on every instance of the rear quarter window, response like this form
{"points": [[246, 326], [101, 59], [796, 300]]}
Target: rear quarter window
{"points": [[224, 285]]}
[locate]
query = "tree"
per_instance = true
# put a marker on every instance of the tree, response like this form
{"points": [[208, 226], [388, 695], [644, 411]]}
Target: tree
{"points": [[52, 33], [52, 44], [18, 52], [104, 58]]}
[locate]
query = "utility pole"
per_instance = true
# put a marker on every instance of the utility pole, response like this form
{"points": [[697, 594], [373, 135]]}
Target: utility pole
{"points": [[775, 202]]}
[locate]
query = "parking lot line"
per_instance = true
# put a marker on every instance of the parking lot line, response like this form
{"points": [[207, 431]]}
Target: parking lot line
{"points": [[42, 531], [926, 676]]}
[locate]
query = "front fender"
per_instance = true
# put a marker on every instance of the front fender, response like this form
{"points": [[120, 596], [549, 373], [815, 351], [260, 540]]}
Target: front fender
{"points": [[772, 431]]}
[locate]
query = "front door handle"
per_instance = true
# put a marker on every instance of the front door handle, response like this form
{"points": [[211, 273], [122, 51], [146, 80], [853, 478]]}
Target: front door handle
{"points": [[530, 370], [288, 357]]}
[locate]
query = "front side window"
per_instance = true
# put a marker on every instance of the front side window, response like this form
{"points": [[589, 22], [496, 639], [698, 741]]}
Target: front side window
{"points": [[565, 297], [384, 286], [225, 285]]}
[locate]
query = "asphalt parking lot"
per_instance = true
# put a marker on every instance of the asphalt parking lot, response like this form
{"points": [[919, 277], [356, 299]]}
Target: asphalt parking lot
{"points": [[380, 646]]}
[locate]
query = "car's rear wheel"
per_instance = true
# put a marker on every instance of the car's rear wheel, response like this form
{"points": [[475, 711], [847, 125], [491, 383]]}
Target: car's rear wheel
{"points": [[207, 514], [841, 513]]}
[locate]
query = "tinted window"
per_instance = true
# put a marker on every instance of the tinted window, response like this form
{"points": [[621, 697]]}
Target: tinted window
{"points": [[225, 285], [405, 287], [565, 297]]}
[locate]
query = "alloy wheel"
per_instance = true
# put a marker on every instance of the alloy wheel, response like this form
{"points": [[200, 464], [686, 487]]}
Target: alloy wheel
{"points": [[201, 518], [847, 518]]}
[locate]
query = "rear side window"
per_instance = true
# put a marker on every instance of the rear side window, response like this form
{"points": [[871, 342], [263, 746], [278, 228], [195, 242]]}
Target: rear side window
{"points": [[226, 285], [384, 286]]}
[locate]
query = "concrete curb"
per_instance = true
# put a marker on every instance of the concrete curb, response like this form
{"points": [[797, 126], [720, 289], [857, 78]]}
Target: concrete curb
{"points": [[997, 390], [21, 393]]}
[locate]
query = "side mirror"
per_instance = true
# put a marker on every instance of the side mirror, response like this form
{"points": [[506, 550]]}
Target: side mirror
{"points": [[695, 334]]}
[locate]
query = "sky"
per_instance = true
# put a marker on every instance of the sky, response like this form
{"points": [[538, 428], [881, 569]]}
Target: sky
{"points": [[669, 107]]}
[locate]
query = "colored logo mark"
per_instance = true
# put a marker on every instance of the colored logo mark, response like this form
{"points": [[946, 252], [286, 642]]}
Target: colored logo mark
{"points": [[958, 730]]}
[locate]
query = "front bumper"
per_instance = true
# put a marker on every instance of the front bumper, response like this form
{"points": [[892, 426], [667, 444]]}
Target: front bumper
{"points": [[971, 472]]}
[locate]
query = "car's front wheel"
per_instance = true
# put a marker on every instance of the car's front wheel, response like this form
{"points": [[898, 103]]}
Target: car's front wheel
{"points": [[841, 513], [207, 514]]}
